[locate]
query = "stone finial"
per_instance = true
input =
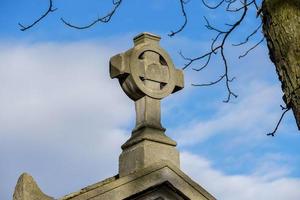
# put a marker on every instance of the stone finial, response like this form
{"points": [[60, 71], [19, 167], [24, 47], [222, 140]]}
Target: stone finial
{"points": [[145, 37], [27, 189], [147, 74]]}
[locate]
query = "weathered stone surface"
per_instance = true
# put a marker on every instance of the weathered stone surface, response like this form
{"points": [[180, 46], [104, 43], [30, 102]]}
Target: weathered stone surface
{"points": [[27, 189], [138, 183], [164, 191], [144, 154], [146, 74], [146, 70]]}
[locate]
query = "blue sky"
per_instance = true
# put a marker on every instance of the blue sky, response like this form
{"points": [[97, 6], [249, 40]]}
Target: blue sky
{"points": [[63, 119]]}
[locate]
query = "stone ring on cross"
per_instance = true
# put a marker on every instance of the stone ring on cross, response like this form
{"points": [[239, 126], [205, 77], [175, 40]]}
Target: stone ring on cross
{"points": [[147, 74], [146, 69], [152, 71]]}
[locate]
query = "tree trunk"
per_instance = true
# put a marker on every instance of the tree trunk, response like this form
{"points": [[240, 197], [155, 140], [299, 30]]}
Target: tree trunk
{"points": [[281, 26]]}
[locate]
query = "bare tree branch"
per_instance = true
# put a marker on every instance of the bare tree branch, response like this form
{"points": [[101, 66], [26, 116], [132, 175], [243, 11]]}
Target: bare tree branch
{"points": [[205, 65], [285, 110], [182, 3], [248, 51], [192, 60], [211, 83], [49, 10], [217, 45], [219, 42], [256, 6], [249, 36], [215, 6], [103, 19]]}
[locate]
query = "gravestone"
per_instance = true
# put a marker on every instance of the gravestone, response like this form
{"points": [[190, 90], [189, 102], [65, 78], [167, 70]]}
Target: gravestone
{"points": [[149, 167]]}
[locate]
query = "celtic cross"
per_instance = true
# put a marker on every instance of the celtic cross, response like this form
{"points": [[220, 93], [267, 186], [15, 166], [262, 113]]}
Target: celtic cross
{"points": [[147, 74]]}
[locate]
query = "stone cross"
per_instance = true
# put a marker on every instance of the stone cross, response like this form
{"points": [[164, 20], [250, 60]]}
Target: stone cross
{"points": [[146, 74]]}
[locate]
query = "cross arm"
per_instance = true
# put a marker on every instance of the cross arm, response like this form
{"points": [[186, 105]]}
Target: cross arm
{"points": [[118, 66], [179, 80]]}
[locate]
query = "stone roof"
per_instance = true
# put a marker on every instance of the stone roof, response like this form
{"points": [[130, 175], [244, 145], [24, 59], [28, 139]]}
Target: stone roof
{"points": [[123, 187]]}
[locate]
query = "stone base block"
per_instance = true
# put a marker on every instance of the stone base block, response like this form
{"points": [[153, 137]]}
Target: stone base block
{"points": [[144, 154]]}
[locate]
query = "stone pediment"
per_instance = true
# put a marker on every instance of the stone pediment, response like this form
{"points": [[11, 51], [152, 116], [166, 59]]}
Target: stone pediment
{"points": [[164, 191], [157, 182]]}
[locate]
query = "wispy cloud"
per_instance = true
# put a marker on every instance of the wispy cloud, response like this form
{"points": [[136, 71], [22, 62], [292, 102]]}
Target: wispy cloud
{"points": [[236, 187], [62, 118], [252, 114]]}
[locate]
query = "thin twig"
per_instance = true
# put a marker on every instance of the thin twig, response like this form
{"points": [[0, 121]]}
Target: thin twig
{"points": [[182, 4], [248, 51], [205, 65], [103, 19], [285, 110], [213, 7], [222, 36], [210, 83], [49, 10], [219, 41], [249, 36]]}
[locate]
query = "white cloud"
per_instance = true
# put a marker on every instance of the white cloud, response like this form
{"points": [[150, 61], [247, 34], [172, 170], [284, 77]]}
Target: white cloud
{"points": [[62, 118], [237, 187], [251, 116], [233, 138]]}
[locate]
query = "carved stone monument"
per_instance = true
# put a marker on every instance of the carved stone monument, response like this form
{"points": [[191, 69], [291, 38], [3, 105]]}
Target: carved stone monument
{"points": [[147, 75], [149, 167]]}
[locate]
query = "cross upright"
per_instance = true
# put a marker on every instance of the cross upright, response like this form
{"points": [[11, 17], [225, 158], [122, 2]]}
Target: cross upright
{"points": [[147, 74]]}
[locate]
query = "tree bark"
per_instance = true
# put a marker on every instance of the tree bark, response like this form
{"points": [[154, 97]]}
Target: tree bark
{"points": [[281, 26]]}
